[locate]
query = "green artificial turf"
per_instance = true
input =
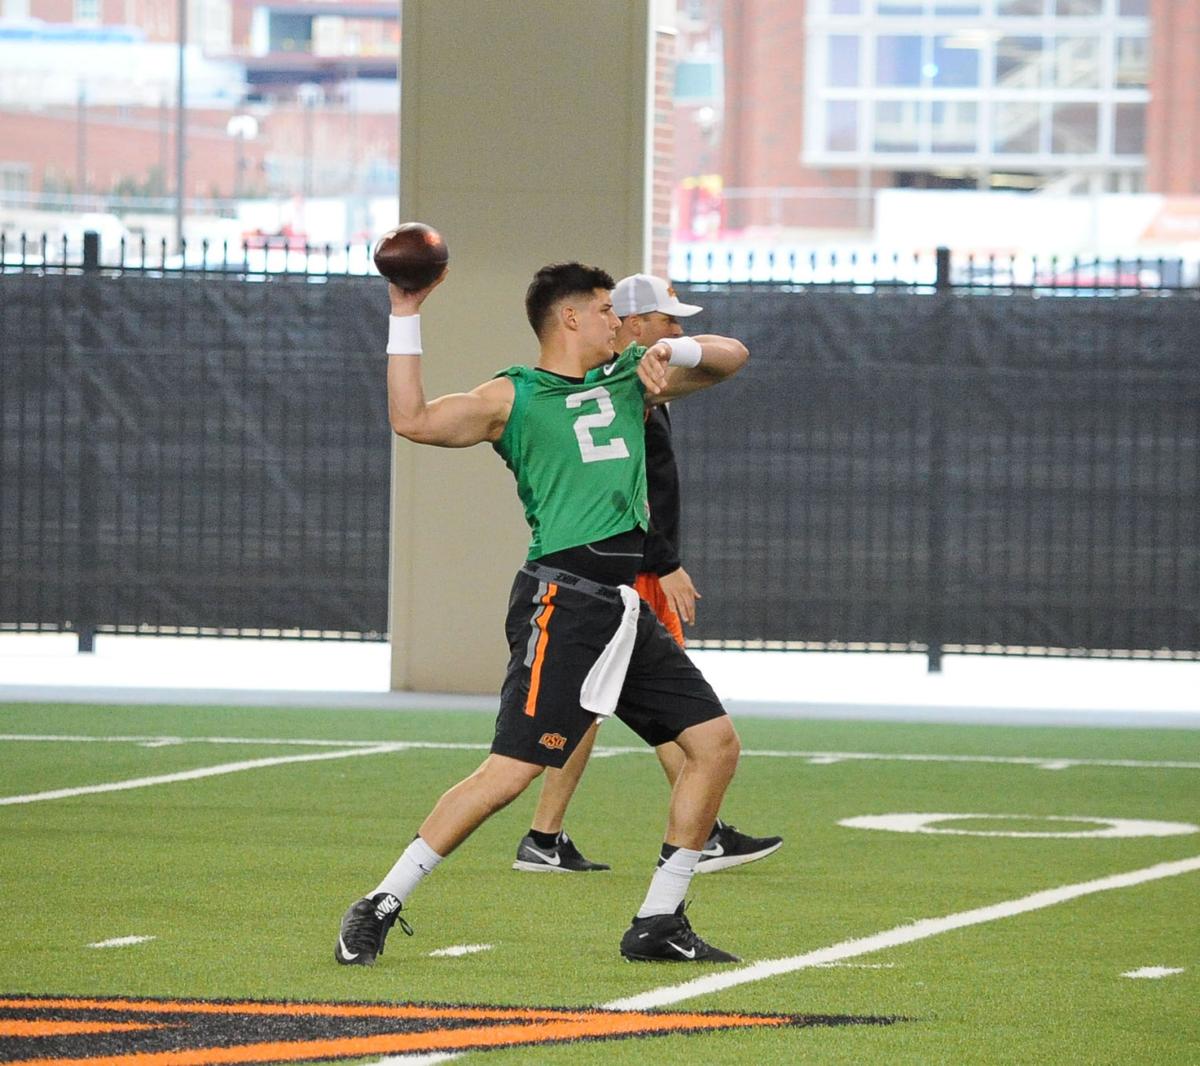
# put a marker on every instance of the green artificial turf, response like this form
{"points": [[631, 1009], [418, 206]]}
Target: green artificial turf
{"points": [[241, 879]]}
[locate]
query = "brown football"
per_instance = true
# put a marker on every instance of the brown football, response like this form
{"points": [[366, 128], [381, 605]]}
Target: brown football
{"points": [[412, 255]]}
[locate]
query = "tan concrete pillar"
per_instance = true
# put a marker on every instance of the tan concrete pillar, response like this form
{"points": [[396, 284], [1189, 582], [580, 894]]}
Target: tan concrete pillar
{"points": [[524, 140]]}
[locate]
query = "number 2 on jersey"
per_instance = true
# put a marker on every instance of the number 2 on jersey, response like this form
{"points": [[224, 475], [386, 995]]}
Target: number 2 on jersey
{"points": [[590, 451]]}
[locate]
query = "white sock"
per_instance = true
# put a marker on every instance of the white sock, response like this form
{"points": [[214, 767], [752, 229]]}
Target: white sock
{"points": [[670, 883], [417, 862]]}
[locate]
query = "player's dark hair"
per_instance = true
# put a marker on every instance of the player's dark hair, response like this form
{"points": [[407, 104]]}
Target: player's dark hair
{"points": [[556, 282]]}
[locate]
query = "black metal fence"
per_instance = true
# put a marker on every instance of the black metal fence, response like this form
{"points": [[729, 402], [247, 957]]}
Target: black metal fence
{"points": [[188, 452], [942, 459], [872, 271], [255, 258], [950, 472]]}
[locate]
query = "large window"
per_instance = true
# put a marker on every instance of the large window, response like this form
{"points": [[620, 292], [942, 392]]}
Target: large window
{"points": [[949, 79]]}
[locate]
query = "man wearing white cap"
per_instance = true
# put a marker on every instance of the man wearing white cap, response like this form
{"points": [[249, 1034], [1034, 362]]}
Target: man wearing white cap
{"points": [[649, 311]]}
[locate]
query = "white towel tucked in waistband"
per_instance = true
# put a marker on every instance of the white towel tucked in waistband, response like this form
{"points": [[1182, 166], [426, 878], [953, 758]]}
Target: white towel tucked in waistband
{"points": [[602, 686]]}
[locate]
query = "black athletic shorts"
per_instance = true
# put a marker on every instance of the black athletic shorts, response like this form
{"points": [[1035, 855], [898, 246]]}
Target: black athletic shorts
{"points": [[557, 626]]}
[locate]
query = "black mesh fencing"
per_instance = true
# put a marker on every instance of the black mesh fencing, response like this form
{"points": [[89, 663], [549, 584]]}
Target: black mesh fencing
{"points": [[193, 453], [926, 468], [947, 472]]}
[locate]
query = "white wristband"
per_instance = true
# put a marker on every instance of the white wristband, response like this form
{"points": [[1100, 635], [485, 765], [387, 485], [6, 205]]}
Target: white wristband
{"points": [[685, 351], [404, 335]]}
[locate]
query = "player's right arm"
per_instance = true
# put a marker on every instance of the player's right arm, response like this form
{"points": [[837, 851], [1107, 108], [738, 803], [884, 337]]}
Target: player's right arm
{"points": [[457, 420]]}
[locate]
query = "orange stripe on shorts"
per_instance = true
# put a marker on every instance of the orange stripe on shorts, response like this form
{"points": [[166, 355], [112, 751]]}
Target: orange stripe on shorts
{"points": [[539, 656]]}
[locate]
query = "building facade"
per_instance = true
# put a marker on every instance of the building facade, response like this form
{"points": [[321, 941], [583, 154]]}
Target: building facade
{"points": [[826, 101]]}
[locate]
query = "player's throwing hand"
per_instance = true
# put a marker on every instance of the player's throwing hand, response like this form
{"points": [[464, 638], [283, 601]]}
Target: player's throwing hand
{"points": [[408, 301], [652, 368]]}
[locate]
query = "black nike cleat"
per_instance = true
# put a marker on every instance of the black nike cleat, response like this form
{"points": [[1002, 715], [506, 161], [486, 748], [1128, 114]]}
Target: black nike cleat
{"points": [[727, 847], [563, 858], [365, 927], [669, 938]]}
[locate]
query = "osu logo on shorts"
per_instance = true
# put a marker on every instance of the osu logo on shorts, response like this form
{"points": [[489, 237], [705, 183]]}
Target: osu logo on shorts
{"points": [[553, 741]]}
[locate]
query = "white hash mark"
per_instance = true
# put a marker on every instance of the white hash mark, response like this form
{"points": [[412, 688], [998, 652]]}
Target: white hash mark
{"points": [[121, 941], [1153, 971], [459, 949]]}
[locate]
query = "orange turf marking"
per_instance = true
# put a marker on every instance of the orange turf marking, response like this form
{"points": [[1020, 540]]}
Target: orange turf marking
{"points": [[47, 1027], [535, 673], [575, 1027]]}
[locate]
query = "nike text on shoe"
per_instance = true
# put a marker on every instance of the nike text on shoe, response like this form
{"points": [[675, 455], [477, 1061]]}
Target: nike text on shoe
{"points": [[669, 938], [563, 858], [727, 847], [365, 927]]}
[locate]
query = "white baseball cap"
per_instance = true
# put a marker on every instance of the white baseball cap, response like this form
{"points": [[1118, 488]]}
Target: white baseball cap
{"points": [[639, 294]]}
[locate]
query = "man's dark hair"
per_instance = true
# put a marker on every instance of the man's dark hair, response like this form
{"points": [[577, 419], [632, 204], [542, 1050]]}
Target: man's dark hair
{"points": [[556, 282]]}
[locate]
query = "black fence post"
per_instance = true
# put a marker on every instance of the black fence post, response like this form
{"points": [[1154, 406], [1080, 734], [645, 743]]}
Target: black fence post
{"points": [[942, 280], [89, 467], [938, 414]]}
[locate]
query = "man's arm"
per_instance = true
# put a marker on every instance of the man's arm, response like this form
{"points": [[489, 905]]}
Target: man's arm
{"points": [[681, 594], [720, 358], [457, 420]]}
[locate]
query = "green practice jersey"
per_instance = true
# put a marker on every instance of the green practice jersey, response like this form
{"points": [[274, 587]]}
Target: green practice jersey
{"points": [[578, 452]]}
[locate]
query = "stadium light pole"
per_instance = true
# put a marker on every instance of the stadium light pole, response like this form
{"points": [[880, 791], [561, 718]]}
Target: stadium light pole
{"points": [[180, 128]]}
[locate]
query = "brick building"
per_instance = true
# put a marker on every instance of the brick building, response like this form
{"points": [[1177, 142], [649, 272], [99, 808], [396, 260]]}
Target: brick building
{"points": [[825, 101]]}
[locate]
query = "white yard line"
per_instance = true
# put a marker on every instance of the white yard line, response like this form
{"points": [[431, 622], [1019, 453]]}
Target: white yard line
{"points": [[122, 941], [817, 758], [829, 758], [903, 934], [193, 775]]}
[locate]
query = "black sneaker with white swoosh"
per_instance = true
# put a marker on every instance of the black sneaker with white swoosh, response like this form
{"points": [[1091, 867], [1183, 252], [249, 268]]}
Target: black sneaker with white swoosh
{"points": [[669, 938], [563, 858], [365, 927], [727, 847]]}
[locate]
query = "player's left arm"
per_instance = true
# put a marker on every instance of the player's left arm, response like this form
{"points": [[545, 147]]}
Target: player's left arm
{"points": [[713, 359]]}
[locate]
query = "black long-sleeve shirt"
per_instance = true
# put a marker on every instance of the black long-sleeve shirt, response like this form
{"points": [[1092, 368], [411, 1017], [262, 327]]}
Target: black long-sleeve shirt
{"points": [[661, 553]]}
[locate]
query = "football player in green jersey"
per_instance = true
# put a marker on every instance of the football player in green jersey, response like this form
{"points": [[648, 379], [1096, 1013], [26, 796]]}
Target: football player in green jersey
{"points": [[582, 643], [649, 310]]}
